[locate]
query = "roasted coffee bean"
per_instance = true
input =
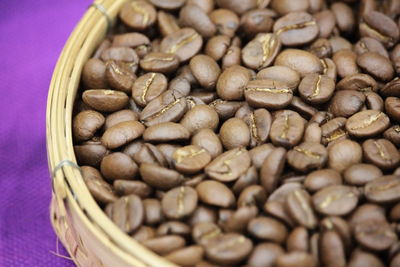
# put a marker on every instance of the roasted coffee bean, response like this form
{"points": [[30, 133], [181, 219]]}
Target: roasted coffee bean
{"points": [[208, 140], [313, 133], [190, 159], [331, 249], [188, 256], [268, 229], [281, 74], [391, 88], [153, 211], [259, 153], [200, 117], [296, 259], [345, 19], [131, 39], [392, 107], [185, 43], [239, 220], [301, 61], [195, 17], [159, 62], [264, 254], [121, 134], [376, 65], [229, 165], [252, 195], [380, 27], [126, 57], [268, 94], [231, 83], [215, 193], [333, 130], [374, 235], [173, 228], [117, 166], [164, 245], [120, 116], [232, 57], [160, 177], [105, 100], [148, 153], [360, 174], [296, 28], [119, 76], [360, 82], [225, 109], [206, 5], [90, 153], [321, 48], [165, 132], [132, 148], [167, 23], [250, 177], [307, 156], [286, 6], [361, 258], [217, 46], [256, 21], [306, 110], [126, 187], [384, 189], [138, 15], [100, 189], [344, 153], [226, 21], [179, 202], [261, 51], [144, 233], [374, 101], [272, 169], [367, 212], [127, 213], [93, 74], [368, 123], [287, 129], [381, 153], [148, 87], [368, 44], [259, 123], [239, 7], [316, 89], [298, 240], [345, 103], [319, 179], [326, 22], [298, 205], [341, 227], [335, 200], [234, 133], [86, 123], [393, 134], [206, 70], [346, 62], [203, 214]]}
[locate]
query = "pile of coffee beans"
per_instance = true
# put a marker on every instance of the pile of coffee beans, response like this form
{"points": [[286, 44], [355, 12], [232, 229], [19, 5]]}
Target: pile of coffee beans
{"points": [[248, 132]]}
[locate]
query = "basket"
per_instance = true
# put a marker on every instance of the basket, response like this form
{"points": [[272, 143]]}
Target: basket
{"points": [[86, 232]]}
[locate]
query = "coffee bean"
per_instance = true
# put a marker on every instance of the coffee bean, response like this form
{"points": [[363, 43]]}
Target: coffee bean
{"points": [[346, 62], [256, 21], [148, 87], [90, 153], [319, 179], [259, 123], [215, 193], [360, 174], [200, 117], [368, 123], [148, 153], [281, 74], [167, 23], [286, 6], [250, 177], [239, 220], [131, 39], [268, 94], [209, 141], [93, 74], [360, 82], [132, 148], [374, 101], [126, 187], [261, 51], [231, 83], [86, 123], [375, 235], [204, 233], [392, 107], [159, 62], [265, 254], [173, 228], [190, 159], [345, 103], [99, 188], [316, 89], [391, 88], [301, 61], [335, 200], [127, 213], [252, 195], [160, 177], [362, 258], [105, 100], [206, 5], [393, 134], [138, 15], [298, 240], [259, 153], [326, 22], [368, 44], [272, 169], [206, 70], [332, 249], [341, 227], [153, 211], [188, 256], [165, 132], [179, 202], [144, 233], [304, 109], [118, 166], [384, 189], [307, 156], [194, 16], [120, 116], [239, 7], [367, 212], [165, 245], [381, 153], [333, 130], [296, 28], [229, 165], [233, 139], [185, 43], [376, 65], [298, 205], [266, 228], [313, 133], [345, 19], [321, 48], [169, 4], [226, 21], [287, 129], [344, 153], [296, 259], [119, 76], [121, 134]]}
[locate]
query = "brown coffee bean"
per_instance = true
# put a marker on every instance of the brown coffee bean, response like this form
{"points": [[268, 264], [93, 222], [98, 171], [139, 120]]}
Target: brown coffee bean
{"points": [[131, 39], [346, 62], [179, 202], [144, 233], [375, 235], [264, 254], [296, 259], [287, 129], [368, 123], [321, 48], [256, 21], [90, 153], [226, 21], [252, 195], [305, 110], [313, 133], [239, 220], [153, 211], [286, 6], [360, 174], [239, 7], [266, 228], [93, 74], [301, 61], [165, 245], [231, 83], [215, 193], [206, 70], [392, 107], [200, 117], [126, 187], [200, 97], [195, 17], [376, 65], [391, 88], [169, 4], [259, 153], [368, 44], [360, 82], [298, 205], [296, 28], [345, 18], [344, 153], [298, 240], [384, 189], [240, 137], [331, 249], [217, 46], [160, 177], [316, 89], [121, 134], [138, 15], [341, 227], [126, 57], [250, 177], [272, 169], [367, 212], [159, 62], [132, 148], [169, 106], [100, 189], [229, 165], [232, 57], [209, 141], [374, 101], [229, 249], [203, 214], [127, 213], [173, 228], [261, 51], [120, 116], [148, 153], [167, 23], [282, 74], [345, 103], [206, 5], [380, 27], [148, 87], [105, 100], [307, 156], [86, 123], [381, 153], [393, 134], [188, 256], [185, 43], [361, 258], [259, 123], [166, 132], [190, 159], [268, 94], [319, 179], [335, 200], [119, 76], [333, 130], [326, 22]]}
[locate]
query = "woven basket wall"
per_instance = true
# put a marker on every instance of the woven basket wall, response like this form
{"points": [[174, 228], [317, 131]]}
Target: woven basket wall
{"points": [[89, 236]]}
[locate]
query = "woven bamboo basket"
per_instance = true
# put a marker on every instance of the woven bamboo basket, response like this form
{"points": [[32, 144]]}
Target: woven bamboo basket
{"points": [[86, 232]]}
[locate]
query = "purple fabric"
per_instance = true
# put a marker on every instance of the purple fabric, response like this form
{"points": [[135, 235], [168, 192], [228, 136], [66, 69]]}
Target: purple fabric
{"points": [[32, 34]]}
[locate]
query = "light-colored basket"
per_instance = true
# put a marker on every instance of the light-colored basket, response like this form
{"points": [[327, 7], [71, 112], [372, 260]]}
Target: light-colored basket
{"points": [[89, 236]]}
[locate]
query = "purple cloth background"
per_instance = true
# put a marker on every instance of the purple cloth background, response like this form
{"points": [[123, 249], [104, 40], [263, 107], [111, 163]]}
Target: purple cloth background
{"points": [[32, 34]]}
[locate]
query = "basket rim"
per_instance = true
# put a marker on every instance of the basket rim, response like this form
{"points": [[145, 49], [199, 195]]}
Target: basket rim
{"points": [[67, 181]]}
